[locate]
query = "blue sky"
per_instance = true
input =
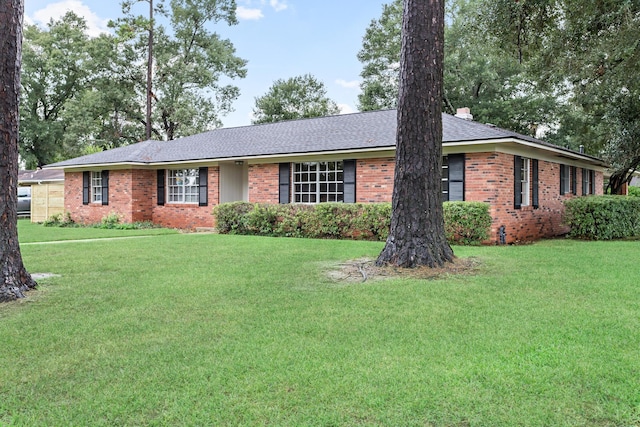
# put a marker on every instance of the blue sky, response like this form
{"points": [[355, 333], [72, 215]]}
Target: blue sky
{"points": [[279, 38]]}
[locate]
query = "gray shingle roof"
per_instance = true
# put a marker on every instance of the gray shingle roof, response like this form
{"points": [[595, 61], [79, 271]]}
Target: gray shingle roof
{"points": [[40, 175], [358, 131]]}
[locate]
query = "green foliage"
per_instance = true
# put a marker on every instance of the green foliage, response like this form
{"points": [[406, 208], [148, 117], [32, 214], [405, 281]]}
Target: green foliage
{"points": [[634, 191], [466, 223], [112, 221], [603, 217], [60, 220], [55, 67], [231, 217], [380, 56], [323, 221], [477, 74], [82, 94], [587, 54], [192, 64], [299, 97]]}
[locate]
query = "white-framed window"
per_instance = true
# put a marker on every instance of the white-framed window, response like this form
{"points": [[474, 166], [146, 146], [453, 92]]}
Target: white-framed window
{"points": [[525, 187], [587, 182], [318, 182], [96, 187], [182, 185], [445, 178]]}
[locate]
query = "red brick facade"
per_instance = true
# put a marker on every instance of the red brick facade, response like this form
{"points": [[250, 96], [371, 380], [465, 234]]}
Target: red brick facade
{"points": [[489, 177], [263, 183], [133, 196], [374, 180]]}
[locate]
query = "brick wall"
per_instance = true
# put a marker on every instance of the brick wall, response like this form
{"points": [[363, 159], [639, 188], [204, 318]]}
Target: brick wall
{"points": [[120, 198], [488, 178], [264, 185], [188, 216], [133, 196], [374, 180]]}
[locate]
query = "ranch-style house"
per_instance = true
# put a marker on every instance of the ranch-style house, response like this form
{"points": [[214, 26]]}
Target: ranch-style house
{"points": [[343, 158]]}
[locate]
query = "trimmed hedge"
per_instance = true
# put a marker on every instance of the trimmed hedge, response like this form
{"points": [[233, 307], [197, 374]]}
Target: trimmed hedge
{"points": [[468, 223], [603, 217]]}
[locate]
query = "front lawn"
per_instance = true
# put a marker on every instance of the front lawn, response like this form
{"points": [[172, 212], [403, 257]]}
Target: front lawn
{"points": [[29, 232], [237, 330]]}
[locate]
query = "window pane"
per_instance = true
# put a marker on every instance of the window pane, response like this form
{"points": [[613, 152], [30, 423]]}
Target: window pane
{"points": [[183, 185], [322, 182]]}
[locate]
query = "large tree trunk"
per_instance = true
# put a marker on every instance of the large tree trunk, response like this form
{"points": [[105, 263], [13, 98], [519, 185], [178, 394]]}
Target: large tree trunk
{"points": [[417, 234], [14, 278]]}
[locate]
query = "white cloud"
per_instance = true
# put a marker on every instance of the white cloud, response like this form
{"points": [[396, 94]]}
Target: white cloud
{"points": [[353, 84], [278, 5], [249, 14], [55, 11], [346, 109]]}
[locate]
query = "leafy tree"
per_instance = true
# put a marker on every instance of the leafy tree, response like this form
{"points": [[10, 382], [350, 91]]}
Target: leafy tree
{"points": [[296, 98], [591, 50], [190, 62], [14, 278], [108, 113], [380, 56], [476, 74], [417, 235], [54, 72]]}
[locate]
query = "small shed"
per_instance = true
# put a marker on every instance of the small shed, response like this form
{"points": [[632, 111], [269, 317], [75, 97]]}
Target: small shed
{"points": [[47, 192]]}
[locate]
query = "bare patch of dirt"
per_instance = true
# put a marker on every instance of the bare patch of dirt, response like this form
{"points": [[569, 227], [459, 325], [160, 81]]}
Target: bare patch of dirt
{"points": [[362, 270]]}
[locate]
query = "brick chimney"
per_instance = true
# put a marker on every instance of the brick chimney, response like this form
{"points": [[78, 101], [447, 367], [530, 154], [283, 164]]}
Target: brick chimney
{"points": [[464, 113]]}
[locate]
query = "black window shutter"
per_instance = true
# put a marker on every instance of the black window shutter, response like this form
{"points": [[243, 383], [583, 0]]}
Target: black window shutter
{"points": [[161, 187], [203, 186], [592, 182], [86, 187], [284, 181], [517, 182], [534, 184], [456, 177], [105, 188], [349, 181], [574, 180], [563, 174]]}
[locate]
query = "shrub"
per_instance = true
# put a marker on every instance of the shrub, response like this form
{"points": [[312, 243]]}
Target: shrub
{"points": [[466, 223], [469, 222], [634, 191], [603, 217], [231, 217], [59, 220], [262, 219], [110, 221]]}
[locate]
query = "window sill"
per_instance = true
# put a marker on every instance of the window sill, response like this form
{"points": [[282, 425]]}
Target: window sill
{"points": [[183, 205]]}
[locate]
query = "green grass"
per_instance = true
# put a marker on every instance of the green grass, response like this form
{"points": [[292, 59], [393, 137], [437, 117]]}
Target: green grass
{"points": [[238, 330], [29, 232]]}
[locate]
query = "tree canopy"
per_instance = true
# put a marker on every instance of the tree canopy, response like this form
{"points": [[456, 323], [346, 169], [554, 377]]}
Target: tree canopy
{"points": [[82, 94], [563, 69], [495, 86], [295, 98], [589, 52]]}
